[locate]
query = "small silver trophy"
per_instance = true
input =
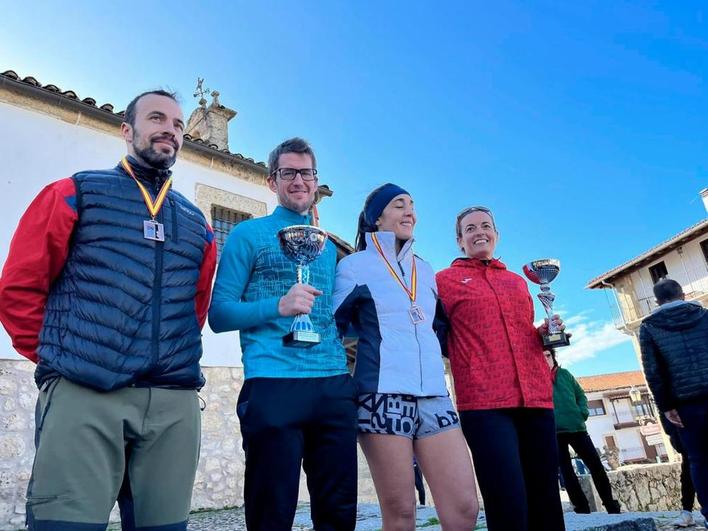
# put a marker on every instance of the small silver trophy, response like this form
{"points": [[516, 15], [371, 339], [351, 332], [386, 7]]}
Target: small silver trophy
{"points": [[543, 272], [302, 244]]}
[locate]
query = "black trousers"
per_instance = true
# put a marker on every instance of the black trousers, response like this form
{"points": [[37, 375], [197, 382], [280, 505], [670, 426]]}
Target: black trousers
{"points": [[289, 422], [515, 457], [688, 492], [585, 449], [694, 436]]}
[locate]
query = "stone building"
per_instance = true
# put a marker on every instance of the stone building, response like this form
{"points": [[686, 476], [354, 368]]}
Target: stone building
{"points": [[623, 417], [682, 257], [54, 133]]}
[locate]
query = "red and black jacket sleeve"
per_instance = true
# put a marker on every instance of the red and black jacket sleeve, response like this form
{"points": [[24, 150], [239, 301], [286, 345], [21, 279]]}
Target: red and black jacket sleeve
{"points": [[206, 276], [38, 251]]}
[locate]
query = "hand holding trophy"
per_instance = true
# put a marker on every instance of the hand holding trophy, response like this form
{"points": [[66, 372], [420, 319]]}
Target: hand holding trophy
{"points": [[302, 244], [543, 272]]}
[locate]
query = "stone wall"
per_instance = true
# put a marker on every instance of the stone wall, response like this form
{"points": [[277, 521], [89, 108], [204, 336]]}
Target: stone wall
{"points": [[219, 481], [641, 487]]}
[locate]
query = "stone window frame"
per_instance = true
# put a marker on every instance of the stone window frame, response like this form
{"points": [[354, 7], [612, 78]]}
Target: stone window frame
{"points": [[207, 197]]}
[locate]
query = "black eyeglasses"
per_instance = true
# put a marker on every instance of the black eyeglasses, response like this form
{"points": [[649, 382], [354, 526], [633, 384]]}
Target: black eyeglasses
{"points": [[289, 174]]}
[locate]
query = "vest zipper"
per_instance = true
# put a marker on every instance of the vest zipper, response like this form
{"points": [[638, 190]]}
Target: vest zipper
{"points": [[173, 205], [415, 331], [156, 294]]}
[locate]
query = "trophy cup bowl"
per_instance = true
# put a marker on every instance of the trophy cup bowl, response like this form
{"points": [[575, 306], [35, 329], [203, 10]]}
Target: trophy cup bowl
{"points": [[302, 244], [543, 272]]}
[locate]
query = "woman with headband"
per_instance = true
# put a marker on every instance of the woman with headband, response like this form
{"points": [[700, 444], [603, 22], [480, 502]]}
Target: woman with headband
{"points": [[388, 295], [502, 383]]}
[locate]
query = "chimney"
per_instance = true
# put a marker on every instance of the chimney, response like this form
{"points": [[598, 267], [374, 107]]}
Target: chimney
{"points": [[211, 124], [704, 196]]}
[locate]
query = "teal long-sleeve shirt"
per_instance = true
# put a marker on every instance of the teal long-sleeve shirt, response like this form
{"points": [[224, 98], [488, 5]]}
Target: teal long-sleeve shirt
{"points": [[253, 275]]}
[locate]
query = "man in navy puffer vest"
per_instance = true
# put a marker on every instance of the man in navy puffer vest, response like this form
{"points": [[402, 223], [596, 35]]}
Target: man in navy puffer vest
{"points": [[106, 287], [674, 345]]}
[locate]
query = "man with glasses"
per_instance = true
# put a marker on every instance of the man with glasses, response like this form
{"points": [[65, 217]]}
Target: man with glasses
{"points": [[297, 405]]}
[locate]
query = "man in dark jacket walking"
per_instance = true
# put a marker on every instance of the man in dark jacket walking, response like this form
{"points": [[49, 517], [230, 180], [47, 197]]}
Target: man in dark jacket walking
{"points": [[674, 345], [106, 287], [570, 407]]}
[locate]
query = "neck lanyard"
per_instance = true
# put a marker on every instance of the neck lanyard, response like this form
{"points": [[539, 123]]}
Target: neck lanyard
{"points": [[414, 275], [152, 206]]}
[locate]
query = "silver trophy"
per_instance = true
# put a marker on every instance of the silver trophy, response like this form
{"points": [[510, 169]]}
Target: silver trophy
{"points": [[543, 272], [302, 244]]}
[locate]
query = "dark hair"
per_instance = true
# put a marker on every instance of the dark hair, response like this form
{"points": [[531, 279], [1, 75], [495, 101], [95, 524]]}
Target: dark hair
{"points": [[364, 226], [553, 355], [292, 145], [129, 115], [469, 210], [667, 290]]}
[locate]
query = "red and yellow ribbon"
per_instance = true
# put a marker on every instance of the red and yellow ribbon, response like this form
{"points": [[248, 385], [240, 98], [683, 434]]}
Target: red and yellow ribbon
{"points": [[414, 275], [152, 206]]}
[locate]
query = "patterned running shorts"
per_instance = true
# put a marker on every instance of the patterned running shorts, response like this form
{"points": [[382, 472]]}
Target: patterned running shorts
{"points": [[410, 416]]}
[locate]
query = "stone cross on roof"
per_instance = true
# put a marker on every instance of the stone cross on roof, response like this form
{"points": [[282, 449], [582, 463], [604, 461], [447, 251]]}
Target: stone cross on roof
{"points": [[209, 124]]}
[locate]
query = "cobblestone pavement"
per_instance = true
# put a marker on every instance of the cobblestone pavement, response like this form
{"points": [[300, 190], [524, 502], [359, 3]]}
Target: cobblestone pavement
{"points": [[369, 520]]}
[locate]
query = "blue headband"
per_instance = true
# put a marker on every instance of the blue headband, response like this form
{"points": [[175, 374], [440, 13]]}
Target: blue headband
{"points": [[378, 202]]}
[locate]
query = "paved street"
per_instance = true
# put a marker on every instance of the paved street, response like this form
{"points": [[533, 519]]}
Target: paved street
{"points": [[369, 520]]}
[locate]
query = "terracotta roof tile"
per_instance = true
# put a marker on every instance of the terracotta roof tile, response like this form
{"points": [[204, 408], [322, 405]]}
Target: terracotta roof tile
{"points": [[109, 108], [615, 380]]}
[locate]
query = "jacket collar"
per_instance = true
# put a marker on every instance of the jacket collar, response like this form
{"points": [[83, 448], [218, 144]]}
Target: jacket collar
{"points": [[146, 174], [291, 216], [476, 263], [674, 304], [387, 240]]}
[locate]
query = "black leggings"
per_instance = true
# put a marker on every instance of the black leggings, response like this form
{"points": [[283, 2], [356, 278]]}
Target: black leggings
{"points": [[515, 457]]}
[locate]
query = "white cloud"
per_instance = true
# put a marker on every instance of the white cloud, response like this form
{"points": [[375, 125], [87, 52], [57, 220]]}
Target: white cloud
{"points": [[589, 339]]}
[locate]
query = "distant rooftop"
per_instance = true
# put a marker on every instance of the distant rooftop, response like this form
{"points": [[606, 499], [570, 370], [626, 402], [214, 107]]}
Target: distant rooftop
{"points": [[615, 380], [652, 254]]}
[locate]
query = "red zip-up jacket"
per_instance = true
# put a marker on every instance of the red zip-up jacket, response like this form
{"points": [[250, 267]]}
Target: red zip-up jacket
{"points": [[37, 255], [496, 353]]}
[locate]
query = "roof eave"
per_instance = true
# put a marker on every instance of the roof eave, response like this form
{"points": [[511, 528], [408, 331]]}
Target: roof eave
{"points": [[640, 261]]}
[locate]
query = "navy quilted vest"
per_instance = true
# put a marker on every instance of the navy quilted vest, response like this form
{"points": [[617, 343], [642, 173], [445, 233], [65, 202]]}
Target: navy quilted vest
{"points": [[122, 312]]}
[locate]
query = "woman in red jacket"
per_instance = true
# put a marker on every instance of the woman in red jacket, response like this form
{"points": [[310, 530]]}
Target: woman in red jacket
{"points": [[502, 383]]}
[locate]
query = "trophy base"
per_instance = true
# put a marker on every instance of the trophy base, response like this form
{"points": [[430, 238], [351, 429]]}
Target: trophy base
{"points": [[301, 339], [556, 340]]}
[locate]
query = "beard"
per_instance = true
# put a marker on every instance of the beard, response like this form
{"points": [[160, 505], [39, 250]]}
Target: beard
{"points": [[154, 157]]}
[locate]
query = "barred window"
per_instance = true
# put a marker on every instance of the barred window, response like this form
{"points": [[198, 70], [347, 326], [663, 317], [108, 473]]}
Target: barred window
{"points": [[596, 408], [223, 220]]}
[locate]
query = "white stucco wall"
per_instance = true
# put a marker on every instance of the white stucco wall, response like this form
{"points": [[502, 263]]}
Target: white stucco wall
{"points": [[38, 149]]}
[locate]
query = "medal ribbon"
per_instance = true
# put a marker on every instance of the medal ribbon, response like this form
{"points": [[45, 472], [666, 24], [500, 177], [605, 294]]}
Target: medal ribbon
{"points": [[414, 275], [153, 207]]}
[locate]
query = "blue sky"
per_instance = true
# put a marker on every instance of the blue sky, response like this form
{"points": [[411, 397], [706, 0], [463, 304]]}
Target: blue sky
{"points": [[581, 124]]}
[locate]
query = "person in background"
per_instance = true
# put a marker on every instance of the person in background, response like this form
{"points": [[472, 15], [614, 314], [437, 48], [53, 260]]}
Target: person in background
{"points": [[674, 344], [570, 408]]}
